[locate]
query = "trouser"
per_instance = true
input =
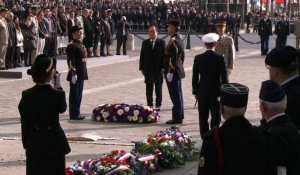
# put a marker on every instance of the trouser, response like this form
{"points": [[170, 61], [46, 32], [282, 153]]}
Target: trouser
{"points": [[264, 44], [50, 48], [204, 106], [96, 42], [40, 46], [9, 57], [175, 92], [75, 98], [281, 41], [297, 41], [17, 56], [158, 93], [27, 56], [102, 46], [3, 50], [122, 41]]}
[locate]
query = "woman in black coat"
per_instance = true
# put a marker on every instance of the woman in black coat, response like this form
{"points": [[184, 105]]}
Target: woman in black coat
{"points": [[42, 136]]}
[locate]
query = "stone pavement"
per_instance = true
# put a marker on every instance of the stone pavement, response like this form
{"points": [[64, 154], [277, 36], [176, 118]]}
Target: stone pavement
{"points": [[117, 80]]}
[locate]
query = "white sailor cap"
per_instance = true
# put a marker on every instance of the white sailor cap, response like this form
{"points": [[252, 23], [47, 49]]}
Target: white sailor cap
{"points": [[210, 38]]}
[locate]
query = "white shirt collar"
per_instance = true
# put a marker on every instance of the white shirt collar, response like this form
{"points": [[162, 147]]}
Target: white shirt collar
{"points": [[288, 80], [274, 117], [153, 39]]}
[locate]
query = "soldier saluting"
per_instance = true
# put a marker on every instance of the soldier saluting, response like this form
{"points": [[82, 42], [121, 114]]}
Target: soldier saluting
{"points": [[282, 30], [76, 56]]}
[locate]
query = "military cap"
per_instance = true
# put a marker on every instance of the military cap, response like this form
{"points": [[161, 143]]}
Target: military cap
{"points": [[41, 66], [210, 38], [2, 9], [174, 22], [75, 29], [221, 23], [281, 56], [271, 92], [234, 95]]}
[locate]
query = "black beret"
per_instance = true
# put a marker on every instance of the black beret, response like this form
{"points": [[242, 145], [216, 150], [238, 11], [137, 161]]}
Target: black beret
{"points": [[234, 95], [174, 22], [281, 56], [41, 66], [75, 29], [271, 92]]}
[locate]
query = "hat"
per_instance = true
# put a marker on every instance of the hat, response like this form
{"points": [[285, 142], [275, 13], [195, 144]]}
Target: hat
{"points": [[271, 92], [2, 9], [109, 10], [174, 22], [281, 56], [234, 95], [210, 38], [34, 6], [221, 23], [75, 29], [41, 66]]}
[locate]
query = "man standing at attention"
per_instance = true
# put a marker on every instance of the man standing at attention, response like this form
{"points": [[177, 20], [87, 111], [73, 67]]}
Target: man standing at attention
{"points": [[152, 66]]}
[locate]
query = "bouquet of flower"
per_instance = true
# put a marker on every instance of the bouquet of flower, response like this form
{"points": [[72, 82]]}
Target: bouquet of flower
{"points": [[125, 113]]}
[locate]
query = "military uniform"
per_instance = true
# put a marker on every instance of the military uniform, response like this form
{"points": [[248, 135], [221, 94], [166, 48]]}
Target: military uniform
{"points": [[236, 147], [225, 47], [264, 31], [174, 72], [76, 57], [282, 30]]}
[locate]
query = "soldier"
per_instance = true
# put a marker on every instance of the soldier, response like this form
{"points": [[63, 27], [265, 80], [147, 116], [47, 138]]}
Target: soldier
{"points": [[282, 30], [209, 72], [174, 71], [280, 127], [283, 69], [225, 46], [264, 31], [4, 35], [236, 147], [297, 31], [76, 56]]}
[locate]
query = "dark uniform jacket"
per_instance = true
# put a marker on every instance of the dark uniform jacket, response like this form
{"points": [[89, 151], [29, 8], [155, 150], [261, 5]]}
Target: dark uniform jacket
{"points": [[76, 56], [292, 90], [42, 134], [265, 27], [213, 72], [244, 150], [286, 135], [174, 57], [282, 28], [152, 60]]}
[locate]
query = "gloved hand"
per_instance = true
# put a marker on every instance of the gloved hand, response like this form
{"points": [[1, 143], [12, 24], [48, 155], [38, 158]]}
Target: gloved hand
{"points": [[57, 81], [74, 79], [169, 77]]}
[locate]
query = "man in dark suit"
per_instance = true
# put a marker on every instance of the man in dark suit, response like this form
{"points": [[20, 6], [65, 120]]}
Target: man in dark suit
{"points": [[174, 71], [283, 69], [236, 147], [12, 41], [112, 31], [282, 30], [152, 66], [76, 56], [105, 33], [123, 30], [209, 73], [88, 31], [264, 31], [280, 127]]}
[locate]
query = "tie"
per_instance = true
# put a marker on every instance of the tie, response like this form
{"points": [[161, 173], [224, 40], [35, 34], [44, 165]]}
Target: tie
{"points": [[151, 43]]}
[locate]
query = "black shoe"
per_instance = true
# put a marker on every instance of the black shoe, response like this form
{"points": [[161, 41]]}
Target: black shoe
{"points": [[78, 118], [103, 55], [171, 122]]}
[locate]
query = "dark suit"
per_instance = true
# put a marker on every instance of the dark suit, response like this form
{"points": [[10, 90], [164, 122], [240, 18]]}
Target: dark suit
{"points": [[89, 34], [287, 137], [292, 90], [213, 72], [264, 31], [244, 149], [12, 44], [112, 29], [152, 63], [75, 57], [174, 59], [122, 37], [42, 136], [282, 30]]}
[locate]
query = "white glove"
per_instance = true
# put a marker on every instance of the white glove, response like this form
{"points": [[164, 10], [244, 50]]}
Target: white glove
{"points": [[169, 77], [74, 79], [57, 81], [229, 71]]}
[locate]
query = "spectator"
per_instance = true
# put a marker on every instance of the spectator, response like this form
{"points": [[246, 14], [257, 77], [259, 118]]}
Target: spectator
{"points": [[4, 35], [18, 56], [12, 41], [123, 30], [29, 41]]}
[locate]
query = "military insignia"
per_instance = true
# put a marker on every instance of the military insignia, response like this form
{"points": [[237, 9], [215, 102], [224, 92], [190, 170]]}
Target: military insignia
{"points": [[201, 161]]}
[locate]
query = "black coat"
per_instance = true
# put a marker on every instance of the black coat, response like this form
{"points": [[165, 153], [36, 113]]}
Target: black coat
{"points": [[174, 57], [213, 72], [112, 26], [282, 28], [265, 27], [286, 135], [292, 90], [119, 34], [75, 55], [12, 34], [88, 31], [244, 150], [152, 60], [43, 29]]}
